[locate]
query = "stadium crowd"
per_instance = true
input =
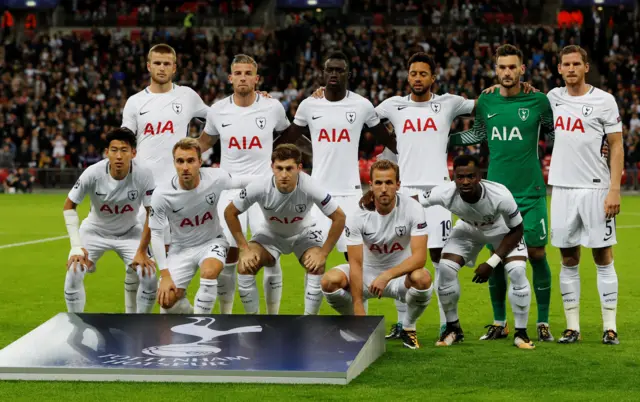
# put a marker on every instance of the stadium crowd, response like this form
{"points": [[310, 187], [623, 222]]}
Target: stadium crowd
{"points": [[60, 95]]}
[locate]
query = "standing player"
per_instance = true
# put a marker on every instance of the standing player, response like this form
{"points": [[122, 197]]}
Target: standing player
{"points": [[586, 193], [516, 120], [245, 123], [387, 249], [188, 202], [160, 116], [421, 121], [334, 124], [488, 215], [285, 198], [117, 187]]}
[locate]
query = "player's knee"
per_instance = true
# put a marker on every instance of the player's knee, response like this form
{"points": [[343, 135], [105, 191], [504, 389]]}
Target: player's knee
{"points": [[332, 281], [536, 253], [570, 256], [232, 255], [602, 256], [149, 282], [517, 271], [420, 279], [448, 270]]}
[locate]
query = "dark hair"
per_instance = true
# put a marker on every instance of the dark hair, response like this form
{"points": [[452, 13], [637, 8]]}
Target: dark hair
{"points": [[422, 57], [284, 152], [338, 56], [508, 50], [367, 201], [466, 160], [573, 49], [122, 134]]}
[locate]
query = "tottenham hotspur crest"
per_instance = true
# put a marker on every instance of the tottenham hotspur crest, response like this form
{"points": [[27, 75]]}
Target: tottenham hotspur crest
{"points": [[211, 198], [586, 110], [351, 117], [261, 122], [523, 113], [401, 230], [133, 194], [177, 107], [301, 208], [436, 107]]}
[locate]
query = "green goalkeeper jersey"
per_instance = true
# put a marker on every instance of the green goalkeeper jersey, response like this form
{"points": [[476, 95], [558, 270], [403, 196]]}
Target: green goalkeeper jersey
{"points": [[512, 126]]}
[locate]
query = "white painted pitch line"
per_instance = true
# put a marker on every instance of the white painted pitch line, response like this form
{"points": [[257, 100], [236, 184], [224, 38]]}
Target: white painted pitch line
{"points": [[26, 243], [628, 227]]}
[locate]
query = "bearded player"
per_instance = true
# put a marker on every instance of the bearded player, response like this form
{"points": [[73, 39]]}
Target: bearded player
{"points": [[512, 123], [160, 116], [586, 193], [245, 123]]}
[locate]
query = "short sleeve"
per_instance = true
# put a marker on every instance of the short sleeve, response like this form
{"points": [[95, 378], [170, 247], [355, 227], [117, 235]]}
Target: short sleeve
{"points": [[200, 109], [158, 213], [149, 186], [382, 110], [611, 117], [301, 118], [81, 188], [210, 125], [371, 117], [463, 106], [352, 229], [510, 212], [325, 202], [129, 118], [249, 195], [282, 122], [419, 221], [432, 197]]}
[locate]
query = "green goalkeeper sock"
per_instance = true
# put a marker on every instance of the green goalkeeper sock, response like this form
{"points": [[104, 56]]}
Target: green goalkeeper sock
{"points": [[498, 293], [542, 287]]}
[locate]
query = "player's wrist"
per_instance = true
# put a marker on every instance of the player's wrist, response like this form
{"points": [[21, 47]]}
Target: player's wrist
{"points": [[164, 273], [494, 260]]}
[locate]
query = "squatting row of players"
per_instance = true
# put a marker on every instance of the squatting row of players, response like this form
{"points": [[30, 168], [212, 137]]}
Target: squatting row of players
{"points": [[198, 217]]}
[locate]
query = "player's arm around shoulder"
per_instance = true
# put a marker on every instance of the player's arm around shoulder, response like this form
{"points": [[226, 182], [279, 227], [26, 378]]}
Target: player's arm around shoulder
{"points": [[210, 134], [435, 196], [240, 203]]}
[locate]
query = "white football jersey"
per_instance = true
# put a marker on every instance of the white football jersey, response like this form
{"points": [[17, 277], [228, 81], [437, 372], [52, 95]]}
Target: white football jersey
{"points": [[581, 125], [192, 214], [335, 129], [114, 203], [246, 133], [494, 214], [287, 214], [160, 121], [422, 133], [386, 238]]}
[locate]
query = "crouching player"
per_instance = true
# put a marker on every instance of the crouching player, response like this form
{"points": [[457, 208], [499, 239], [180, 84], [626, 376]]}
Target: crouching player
{"points": [[387, 248], [286, 198], [488, 215], [116, 186], [188, 202]]}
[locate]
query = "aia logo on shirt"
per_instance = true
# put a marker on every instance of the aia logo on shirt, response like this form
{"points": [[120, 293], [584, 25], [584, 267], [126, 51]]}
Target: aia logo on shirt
{"points": [[335, 135], [197, 220], [386, 248], [285, 220], [569, 124], [245, 143], [419, 125], [159, 128], [115, 209]]}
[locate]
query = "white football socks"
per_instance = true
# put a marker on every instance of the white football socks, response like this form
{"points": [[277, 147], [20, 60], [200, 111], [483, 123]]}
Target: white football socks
{"points": [[147, 292], [608, 290], [227, 288], [417, 302], [312, 294], [570, 290], [131, 284], [519, 292], [449, 289], [206, 296], [74, 294], [272, 286], [248, 291]]}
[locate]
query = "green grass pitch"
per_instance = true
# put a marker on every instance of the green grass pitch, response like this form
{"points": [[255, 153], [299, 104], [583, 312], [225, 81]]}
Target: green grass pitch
{"points": [[33, 278]]}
